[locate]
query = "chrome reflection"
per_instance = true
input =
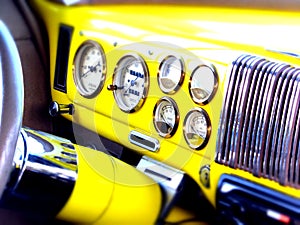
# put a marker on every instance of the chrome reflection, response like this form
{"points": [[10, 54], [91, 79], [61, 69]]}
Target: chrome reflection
{"points": [[203, 84], [259, 125], [43, 174]]}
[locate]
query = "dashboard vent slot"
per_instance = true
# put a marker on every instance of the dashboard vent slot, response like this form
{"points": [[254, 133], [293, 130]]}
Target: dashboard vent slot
{"points": [[62, 57], [259, 128]]}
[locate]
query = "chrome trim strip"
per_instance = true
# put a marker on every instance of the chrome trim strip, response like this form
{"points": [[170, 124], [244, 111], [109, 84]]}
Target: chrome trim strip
{"points": [[167, 176], [233, 103], [276, 119], [250, 106], [241, 92], [254, 147], [259, 128], [293, 54], [265, 116], [289, 133], [67, 2], [222, 151], [144, 141], [245, 99]]}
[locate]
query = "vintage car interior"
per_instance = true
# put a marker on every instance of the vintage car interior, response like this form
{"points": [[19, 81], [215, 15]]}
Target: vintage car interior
{"points": [[150, 112]]}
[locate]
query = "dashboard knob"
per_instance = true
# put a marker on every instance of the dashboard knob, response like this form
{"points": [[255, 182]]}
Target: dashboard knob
{"points": [[56, 109]]}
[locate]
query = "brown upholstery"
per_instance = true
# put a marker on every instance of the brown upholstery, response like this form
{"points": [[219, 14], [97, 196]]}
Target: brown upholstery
{"points": [[36, 79]]}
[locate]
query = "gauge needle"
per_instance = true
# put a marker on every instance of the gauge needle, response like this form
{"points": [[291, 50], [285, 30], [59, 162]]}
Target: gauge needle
{"points": [[90, 69], [196, 132], [165, 121], [132, 82], [200, 93]]}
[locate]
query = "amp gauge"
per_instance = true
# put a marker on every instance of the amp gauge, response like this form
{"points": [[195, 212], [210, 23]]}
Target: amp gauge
{"points": [[89, 69], [203, 84], [197, 128], [166, 117], [171, 74]]}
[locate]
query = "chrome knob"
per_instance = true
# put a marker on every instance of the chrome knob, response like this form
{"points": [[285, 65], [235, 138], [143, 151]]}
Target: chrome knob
{"points": [[56, 109]]}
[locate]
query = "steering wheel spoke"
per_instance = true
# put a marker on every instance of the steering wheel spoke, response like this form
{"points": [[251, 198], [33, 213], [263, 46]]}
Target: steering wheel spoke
{"points": [[11, 102]]}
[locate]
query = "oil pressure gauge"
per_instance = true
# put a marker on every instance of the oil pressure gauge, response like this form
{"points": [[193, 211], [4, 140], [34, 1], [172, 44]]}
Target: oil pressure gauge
{"points": [[166, 117], [203, 84], [197, 128], [89, 69], [171, 74], [130, 83]]}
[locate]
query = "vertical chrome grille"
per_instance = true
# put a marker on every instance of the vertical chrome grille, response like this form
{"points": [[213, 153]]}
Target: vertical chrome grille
{"points": [[259, 128]]}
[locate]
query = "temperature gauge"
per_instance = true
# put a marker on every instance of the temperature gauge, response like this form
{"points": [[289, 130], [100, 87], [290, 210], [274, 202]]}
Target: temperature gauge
{"points": [[166, 117], [197, 128], [171, 74], [89, 69]]}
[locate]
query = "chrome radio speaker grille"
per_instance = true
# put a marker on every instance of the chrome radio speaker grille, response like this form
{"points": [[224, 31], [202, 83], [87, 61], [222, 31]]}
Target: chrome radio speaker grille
{"points": [[259, 128]]}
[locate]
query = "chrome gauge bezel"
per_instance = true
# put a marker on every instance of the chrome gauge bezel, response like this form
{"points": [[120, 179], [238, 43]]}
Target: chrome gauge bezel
{"points": [[84, 68], [188, 127], [203, 79], [168, 68], [159, 119], [124, 78]]}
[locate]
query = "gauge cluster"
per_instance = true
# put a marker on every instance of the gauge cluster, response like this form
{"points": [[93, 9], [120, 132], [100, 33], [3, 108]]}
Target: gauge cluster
{"points": [[130, 79]]}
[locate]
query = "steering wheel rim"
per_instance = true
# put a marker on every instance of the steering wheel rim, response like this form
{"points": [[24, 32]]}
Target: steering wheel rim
{"points": [[11, 102]]}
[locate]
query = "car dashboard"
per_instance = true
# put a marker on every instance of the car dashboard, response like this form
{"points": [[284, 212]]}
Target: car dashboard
{"points": [[210, 93]]}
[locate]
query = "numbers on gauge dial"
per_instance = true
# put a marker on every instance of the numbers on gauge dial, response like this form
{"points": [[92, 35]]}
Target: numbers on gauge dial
{"points": [[90, 69], [197, 128], [133, 81], [166, 117], [130, 83]]}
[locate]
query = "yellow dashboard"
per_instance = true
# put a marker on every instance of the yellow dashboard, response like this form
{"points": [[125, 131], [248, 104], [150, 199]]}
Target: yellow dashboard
{"points": [[154, 78]]}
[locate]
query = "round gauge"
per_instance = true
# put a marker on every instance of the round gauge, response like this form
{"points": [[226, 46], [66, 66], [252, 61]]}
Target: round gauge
{"points": [[170, 75], [130, 83], [166, 117], [197, 128], [203, 84], [89, 69]]}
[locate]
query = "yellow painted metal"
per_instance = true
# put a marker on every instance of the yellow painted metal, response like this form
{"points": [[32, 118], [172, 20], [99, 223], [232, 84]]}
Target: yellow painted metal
{"points": [[107, 191], [200, 35]]}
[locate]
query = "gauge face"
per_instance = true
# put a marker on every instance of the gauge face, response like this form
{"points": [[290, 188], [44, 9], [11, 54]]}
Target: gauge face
{"points": [[197, 128], [203, 84], [171, 74], [131, 83], [89, 69], [166, 117]]}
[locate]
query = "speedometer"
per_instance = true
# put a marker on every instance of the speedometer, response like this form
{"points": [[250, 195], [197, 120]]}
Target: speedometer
{"points": [[130, 83], [197, 128], [166, 117], [89, 69]]}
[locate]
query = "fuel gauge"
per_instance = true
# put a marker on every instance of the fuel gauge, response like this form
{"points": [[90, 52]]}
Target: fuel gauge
{"points": [[197, 128], [166, 117]]}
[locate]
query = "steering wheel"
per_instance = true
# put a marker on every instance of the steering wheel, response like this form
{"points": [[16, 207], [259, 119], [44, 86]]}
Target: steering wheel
{"points": [[11, 102]]}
